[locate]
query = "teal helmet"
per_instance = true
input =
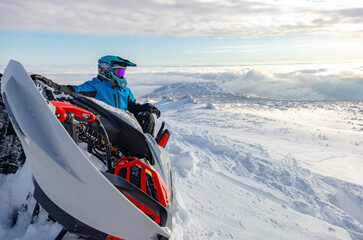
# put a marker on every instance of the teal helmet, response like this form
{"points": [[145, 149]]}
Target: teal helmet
{"points": [[112, 68]]}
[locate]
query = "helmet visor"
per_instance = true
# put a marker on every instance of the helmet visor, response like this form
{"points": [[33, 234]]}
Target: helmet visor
{"points": [[119, 72]]}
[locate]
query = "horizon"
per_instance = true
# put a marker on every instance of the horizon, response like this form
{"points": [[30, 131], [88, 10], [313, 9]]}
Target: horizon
{"points": [[342, 81]]}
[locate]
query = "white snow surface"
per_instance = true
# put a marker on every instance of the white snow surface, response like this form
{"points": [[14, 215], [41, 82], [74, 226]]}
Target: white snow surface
{"points": [[264, 169], [243, 168]]}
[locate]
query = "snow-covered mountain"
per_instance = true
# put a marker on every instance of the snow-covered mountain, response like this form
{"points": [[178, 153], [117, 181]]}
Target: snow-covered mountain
{"points": [[203, 91], [245, 168], [265, 169]]}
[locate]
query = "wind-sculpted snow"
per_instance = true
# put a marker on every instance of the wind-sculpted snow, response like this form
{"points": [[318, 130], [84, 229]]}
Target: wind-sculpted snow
{"points": [[247, 168], [240, 169]]}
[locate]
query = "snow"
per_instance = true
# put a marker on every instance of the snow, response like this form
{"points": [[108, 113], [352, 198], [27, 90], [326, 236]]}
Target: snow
{"points": [[244, 168], [264, 169]]}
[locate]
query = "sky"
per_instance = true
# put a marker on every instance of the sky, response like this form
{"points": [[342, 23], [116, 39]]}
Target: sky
{"points": [[181, 33]]}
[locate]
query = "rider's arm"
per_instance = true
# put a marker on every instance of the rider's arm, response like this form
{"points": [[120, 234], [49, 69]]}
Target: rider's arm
{"points": [[84, 89], [50, 83]]}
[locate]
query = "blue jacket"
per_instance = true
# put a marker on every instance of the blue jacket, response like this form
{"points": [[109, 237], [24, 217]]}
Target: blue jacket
{"points": [[106, 92]]}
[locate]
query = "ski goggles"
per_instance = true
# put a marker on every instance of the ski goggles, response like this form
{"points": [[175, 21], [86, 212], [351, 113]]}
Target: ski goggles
{"points": [[119, 72]]}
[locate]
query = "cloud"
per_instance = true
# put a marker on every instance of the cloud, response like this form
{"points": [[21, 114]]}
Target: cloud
{"points": [[356, 13], [242, 18], [309, 82], [238, 47]]}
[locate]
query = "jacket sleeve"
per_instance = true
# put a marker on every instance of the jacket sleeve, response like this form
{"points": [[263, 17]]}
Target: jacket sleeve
{"points": [[132, 105], [86, 89]]}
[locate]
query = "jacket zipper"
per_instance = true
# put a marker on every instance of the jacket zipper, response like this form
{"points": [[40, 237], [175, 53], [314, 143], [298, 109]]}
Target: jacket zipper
{"points": [[114, 98], [118, 99]]}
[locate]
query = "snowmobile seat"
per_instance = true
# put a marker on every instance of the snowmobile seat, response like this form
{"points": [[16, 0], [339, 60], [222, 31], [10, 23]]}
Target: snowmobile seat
{"points": [[131, 141]]}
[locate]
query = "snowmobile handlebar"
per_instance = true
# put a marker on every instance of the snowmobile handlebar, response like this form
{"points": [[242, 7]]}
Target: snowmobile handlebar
{"points": [[61, 109]]}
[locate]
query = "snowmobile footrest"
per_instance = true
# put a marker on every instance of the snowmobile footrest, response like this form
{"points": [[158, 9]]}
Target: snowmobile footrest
{"points": [[61, 234], [35, 213]]}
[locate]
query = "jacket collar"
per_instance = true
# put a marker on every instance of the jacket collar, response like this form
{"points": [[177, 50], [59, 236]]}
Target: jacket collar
{"points": [[107, 82]]}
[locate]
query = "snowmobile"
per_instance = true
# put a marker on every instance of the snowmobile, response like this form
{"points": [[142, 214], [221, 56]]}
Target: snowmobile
{"points": [[94, 171]]}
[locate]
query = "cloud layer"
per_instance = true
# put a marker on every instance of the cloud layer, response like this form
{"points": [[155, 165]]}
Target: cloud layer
{"points": [[244, 18], [308, 82], [312, 84]]}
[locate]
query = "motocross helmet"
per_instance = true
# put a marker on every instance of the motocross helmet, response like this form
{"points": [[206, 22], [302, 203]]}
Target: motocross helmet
{"points": [[112, 68]]}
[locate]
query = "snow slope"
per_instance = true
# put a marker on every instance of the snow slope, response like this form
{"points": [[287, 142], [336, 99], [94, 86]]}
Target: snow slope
{"points": [[264, 169], [245, 168]]}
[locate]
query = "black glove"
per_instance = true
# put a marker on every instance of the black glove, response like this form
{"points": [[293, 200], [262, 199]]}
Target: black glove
{"points": [[45, 80], [148, 107], [156, 111], [50, 83]]}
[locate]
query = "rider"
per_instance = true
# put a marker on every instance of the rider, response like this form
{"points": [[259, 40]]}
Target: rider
{"points": [[110, 87]]}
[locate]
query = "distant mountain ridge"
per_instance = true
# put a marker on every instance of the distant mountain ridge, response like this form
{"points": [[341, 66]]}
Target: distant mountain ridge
{"points": [[198, 90]]}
